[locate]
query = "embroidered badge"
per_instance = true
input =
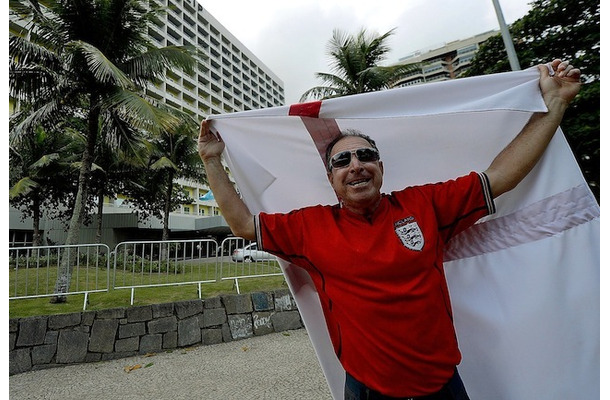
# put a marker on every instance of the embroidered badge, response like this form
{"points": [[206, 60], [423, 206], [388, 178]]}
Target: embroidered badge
{"points": [[409, 233]]}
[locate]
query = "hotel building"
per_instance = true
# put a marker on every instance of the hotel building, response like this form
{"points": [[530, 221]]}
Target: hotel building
{"points": [[229, 78]]}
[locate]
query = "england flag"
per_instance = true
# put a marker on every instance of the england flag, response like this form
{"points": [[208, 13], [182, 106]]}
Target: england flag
{"points": [[524, 281]]}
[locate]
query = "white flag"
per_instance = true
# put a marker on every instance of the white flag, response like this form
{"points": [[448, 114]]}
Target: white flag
{"points": [[524, 282]]}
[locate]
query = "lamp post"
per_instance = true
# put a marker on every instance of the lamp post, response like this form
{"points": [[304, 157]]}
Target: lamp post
{"points": [[508, 42]]}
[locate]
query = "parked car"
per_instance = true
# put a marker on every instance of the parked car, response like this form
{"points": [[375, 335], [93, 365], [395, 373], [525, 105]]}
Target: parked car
{"points": [[251, 253]]}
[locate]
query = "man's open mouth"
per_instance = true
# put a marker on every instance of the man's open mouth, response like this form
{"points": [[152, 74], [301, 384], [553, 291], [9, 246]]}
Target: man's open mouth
{"points": [[359, 182]]}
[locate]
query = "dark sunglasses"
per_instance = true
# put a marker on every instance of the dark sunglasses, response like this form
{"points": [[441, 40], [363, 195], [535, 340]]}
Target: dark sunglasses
{"points": [[344, 158]]}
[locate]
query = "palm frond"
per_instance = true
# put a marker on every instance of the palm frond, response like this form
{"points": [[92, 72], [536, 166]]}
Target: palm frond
{"points": [[76, 165], [41, 24], [97, 168], [137, 111], [163, 163], [47, 114], [23, 187], [153, 63], [22, 8], [27, 52], [319, 92], [45, 161], [32, 70], [26, 10], [123, 141], [101, 67]]}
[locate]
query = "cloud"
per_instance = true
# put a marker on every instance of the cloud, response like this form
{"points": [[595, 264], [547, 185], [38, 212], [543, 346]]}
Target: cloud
{"points": [[296, 47]]}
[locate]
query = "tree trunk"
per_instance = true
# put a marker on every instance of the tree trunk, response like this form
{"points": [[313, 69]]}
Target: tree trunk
{"points": [[100, 214], [167, 205], [36, 237], [66, 261], [164, 248]]}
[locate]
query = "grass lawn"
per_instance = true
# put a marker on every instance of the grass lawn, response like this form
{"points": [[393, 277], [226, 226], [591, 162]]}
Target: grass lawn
{"points": [[27, 282]]}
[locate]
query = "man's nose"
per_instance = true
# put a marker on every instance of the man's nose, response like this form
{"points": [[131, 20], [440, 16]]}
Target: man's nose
{"points": [[355, 164]]}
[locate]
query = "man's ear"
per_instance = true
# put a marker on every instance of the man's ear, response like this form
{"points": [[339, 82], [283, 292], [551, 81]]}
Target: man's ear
{"points": [[381, 166], [329, 175]]}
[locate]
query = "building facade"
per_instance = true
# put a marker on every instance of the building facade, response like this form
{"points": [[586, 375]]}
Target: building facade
{"points": [[443, 63], [229, 78]]}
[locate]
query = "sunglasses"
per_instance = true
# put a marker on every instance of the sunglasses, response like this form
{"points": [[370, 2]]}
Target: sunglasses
{"points": [[344, 158]]}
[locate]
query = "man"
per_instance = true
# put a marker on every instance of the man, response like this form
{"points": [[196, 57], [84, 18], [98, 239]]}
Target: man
{"points": [[382, 288]]}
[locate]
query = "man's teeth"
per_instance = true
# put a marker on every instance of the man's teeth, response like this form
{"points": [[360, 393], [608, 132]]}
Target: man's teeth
{"points": [[358, 182]]}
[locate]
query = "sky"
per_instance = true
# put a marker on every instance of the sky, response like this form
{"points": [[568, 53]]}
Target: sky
{"points": [[291, 36]]}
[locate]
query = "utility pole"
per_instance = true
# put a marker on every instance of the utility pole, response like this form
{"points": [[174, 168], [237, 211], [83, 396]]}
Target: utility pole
{"points": [[508, 42]]}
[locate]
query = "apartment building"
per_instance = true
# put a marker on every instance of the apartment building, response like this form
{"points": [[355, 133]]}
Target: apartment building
{"points": [[229, 79], [443, 63]]}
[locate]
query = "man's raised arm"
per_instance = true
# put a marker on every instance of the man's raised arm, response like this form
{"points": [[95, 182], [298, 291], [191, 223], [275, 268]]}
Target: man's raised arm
{"points": [[559, 84], [233, 208]]}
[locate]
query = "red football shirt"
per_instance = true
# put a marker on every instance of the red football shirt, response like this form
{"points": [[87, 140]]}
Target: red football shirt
{"points": [[381, 281]]}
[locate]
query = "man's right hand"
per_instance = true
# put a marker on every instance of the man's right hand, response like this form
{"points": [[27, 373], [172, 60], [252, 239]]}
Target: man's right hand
{"points": [[233, 208], [209, 145]]}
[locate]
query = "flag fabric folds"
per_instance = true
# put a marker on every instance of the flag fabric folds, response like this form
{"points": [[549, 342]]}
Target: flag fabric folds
{"points": [[524, 282]]}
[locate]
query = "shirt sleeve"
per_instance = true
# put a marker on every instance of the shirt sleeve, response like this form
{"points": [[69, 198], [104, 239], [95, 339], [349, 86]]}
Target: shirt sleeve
{"points": [[280, 234], [460, 203]]}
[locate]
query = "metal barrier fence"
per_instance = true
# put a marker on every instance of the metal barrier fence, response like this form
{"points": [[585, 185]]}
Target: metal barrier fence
{"points": [[137, 264], [187, 262], [164, 263], [245, 261], [33, 270]]}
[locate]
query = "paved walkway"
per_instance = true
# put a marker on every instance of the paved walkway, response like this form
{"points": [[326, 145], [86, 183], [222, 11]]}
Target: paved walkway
{"points": [[278, 366]]}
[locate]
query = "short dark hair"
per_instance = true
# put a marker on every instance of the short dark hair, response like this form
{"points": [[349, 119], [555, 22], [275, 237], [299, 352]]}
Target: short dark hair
{"points": [[347, 133]]}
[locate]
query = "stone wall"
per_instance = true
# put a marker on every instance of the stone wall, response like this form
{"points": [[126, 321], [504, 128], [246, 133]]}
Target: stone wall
{"points": [[90, 336]]}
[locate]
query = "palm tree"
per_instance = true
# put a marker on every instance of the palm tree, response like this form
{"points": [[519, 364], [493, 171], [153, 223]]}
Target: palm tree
{"points": [[115, 168], [93, 59], [355, 66], [174, 156], [40, 173]]}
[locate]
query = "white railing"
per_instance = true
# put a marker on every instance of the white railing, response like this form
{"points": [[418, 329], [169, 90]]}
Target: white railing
{"points": [[245, 262], [34, 270], [165, 263], [136, 264]]}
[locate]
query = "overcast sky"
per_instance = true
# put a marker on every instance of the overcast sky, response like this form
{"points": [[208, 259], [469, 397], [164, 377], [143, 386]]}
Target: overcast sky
{"points": [[291, 36]]}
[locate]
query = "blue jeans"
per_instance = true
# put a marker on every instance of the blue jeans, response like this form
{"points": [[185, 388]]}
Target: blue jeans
{"points": [[453, 390]]}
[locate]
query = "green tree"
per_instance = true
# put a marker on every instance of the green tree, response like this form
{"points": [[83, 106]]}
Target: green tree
{"points": [[40, 173], [173, 155], [115, 167], [91, 58], [569, 30], [355, 63]]}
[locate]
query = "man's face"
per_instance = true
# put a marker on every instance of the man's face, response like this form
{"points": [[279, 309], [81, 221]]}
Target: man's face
{"points": [[357, 185]]}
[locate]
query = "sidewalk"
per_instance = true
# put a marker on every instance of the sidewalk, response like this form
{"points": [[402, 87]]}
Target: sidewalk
{"points": [[280, 366]]}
